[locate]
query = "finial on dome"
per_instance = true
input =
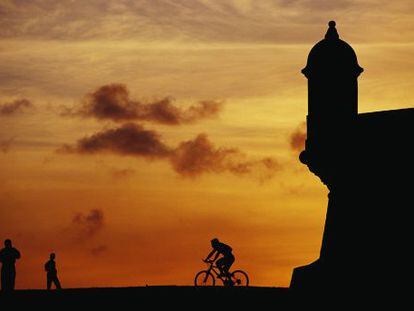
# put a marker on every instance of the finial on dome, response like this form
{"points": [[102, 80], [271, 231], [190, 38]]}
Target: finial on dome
{"points": [[332, 33]]}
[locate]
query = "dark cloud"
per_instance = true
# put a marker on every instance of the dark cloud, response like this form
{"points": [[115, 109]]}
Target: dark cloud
{"points": [[199, 155], [16, 106], [112, 102], [298, 138], [88, 224], [191, 158], [129, 139], [195, 157]]}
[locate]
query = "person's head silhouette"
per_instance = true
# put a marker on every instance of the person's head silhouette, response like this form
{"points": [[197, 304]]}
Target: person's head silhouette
{"points": [[214, 242], [52, 256], [8, 243]]}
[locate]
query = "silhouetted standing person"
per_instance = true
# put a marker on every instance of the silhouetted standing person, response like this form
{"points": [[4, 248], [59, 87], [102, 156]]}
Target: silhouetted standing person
{"points": [[50, 268], [8, 257]]}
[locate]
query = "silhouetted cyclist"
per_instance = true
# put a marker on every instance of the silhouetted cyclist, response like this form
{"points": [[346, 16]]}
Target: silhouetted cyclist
{"points": [[50, 268], [227, 259], [8, 257]]}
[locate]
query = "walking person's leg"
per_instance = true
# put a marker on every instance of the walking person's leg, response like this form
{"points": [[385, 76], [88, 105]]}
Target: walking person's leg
{"points": [[49, 282], [57, 283], [7, 279], [3, 280], [12, 278]]}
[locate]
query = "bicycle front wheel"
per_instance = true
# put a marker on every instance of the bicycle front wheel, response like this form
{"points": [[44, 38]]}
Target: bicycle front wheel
{"points": [[204, 278], [240, 278]]}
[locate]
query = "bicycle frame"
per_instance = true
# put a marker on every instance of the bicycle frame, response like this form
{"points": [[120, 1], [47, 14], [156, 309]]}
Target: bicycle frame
{"points": [[213, 268], [209, 276]]}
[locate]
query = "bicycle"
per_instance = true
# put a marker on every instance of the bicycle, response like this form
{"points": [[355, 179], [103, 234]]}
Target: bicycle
{"points": [[208, 277]]}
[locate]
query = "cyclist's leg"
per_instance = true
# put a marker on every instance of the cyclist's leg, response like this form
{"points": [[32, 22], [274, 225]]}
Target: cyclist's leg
{"points": [[220, 263], [229, 263], [225, 264]]}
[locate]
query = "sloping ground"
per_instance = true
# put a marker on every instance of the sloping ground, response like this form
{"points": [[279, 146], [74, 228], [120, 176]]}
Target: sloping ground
{"points": [[171, 297]]}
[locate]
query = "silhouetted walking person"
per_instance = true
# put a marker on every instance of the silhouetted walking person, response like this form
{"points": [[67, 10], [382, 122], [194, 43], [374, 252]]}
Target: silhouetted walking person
{"points": [[8, 257], [50, 268], [227, 259]]}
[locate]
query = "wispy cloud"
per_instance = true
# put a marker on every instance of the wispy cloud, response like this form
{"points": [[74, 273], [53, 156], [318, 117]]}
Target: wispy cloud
{"points": [[14, 107], [99, 250], [211, 20], [298, 137], [122, 173], [87, 225], [5, 145]]}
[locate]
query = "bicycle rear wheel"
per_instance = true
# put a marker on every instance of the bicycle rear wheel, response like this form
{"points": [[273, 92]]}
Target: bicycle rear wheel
{"points": [[204, 278], [239, 278]]}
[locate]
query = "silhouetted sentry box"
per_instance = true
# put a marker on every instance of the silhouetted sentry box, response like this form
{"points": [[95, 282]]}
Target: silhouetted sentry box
{"points": [[366, 161]]}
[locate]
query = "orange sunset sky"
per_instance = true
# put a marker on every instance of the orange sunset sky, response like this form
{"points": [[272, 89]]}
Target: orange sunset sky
{"points": [[133, 132]]}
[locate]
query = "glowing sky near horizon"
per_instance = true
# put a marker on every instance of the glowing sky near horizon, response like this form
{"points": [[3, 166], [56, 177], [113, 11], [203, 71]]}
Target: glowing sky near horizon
{"points": [[118, 217]]}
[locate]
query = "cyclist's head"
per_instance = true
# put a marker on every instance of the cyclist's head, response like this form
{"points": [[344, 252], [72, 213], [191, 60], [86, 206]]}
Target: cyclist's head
{"points": [[214, 242], [52, 256]]}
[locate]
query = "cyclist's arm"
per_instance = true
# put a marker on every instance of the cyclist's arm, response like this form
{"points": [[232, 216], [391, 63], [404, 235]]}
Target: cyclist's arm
{"points": [[211, 254], [215, 257]]}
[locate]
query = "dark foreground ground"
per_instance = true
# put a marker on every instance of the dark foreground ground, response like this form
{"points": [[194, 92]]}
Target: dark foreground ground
{"points": [[148, 298], [213, 298]]}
